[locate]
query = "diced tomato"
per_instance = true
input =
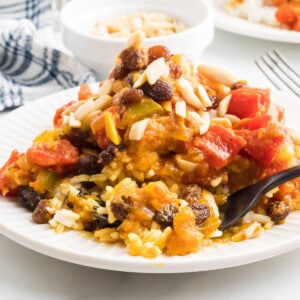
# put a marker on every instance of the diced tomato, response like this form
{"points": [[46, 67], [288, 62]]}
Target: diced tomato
{"points": [[246, 102], [85, 92], [57, 153], [101, 138], [254, 123], [57, 120], [288, 13], [219, 145], [264, 144], [4, 181]]}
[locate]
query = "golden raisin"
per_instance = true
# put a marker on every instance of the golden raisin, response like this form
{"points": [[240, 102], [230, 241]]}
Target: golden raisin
{"points": [[175, 70], [132, 95], [158, 51], [278, 210]]}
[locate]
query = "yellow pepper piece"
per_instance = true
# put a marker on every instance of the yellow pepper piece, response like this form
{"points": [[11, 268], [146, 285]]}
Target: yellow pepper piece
{"points": [[111, 129]]}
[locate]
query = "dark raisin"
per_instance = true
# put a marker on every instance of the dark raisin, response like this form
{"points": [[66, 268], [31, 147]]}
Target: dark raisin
{"points": [[131, 95], [278, 210], [41, 214], [191, 193], [100, 222], [78, 138], [158, 51], [88, 164], [165, 216], [119, 210], [159, 91], [175, 71], [28, 197], [119, 72], [201, 212], [108, 154], [131, 59]]}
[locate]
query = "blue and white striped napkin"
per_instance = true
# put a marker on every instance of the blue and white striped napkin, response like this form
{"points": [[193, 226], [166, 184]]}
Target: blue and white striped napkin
{"points": [[32, 61]]}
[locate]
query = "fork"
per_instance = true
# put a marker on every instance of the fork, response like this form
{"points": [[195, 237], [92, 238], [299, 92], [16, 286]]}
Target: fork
{"points": [[279, 72]]}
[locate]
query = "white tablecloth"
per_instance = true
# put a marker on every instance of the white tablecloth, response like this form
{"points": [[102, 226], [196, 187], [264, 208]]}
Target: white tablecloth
{"points": [[25, 274]]}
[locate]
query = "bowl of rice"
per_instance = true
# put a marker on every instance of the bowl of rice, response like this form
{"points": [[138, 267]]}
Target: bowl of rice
{"points": [[96, 31]]}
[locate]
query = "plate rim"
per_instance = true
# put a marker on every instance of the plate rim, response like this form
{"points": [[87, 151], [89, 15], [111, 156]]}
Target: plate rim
{"points": [[233, 24], [204, 260]]}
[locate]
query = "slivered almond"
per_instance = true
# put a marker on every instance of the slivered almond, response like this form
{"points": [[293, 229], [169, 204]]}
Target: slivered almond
{"points": [[102, 102], [203, 95], [136, 39], [184, 164], [223, 106], [180, 109], [233, 119], [225, 122], [187, 92], [106, 87], [73, 107], [73, 122], [137, 130], [217, 74], [211, 201], [141, 80], [158, 68], [84, 109]]}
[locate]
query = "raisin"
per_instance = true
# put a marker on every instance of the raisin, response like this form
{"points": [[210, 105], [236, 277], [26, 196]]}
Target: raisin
{"points": [[108, 154], [87, 164], [119, 210], [100, 222], [159, 91], [78, 138], [278, 210], [132, 59], [119, 72], [165, 216], [28, 197], [158, 51], [132, 95], [201, 212], [41, 214], [175, 71], [191, 193]]}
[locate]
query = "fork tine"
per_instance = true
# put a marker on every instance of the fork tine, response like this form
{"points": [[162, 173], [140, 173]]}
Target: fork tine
{"points": [[279, 72], [284, 66], [287, 64]]}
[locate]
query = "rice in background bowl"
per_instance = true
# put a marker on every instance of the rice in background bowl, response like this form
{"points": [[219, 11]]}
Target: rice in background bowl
{"points": [[99, 53]]}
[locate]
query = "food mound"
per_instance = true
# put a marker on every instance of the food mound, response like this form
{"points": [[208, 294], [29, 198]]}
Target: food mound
{"points": [[275, 13], [150, 158]]}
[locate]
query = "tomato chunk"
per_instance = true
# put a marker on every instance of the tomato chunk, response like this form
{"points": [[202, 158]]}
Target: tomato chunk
{"points": [[57, 153], [5, 169], [254, 123], [219, 145], [57, 120], [85, 92], [264, 144], [246, 102]]}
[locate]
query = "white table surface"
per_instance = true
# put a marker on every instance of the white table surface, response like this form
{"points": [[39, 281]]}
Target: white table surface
{"points": [[25, 274]]}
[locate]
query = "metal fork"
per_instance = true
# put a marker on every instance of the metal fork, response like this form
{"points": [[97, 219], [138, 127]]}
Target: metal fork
{"points": [[279, 72]]}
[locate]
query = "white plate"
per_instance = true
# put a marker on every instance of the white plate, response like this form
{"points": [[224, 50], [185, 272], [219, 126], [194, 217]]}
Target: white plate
{"points": [[240, 26], [19, 127]]}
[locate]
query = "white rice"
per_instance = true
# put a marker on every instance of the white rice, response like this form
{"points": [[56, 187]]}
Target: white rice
{"points": [[255, 11]]}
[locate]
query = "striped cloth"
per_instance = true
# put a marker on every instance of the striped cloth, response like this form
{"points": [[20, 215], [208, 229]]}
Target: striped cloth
{"points": [[32, 62]]}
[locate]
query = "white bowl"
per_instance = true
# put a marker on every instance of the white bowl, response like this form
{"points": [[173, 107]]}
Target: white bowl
{"points": [[99, 53]]}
